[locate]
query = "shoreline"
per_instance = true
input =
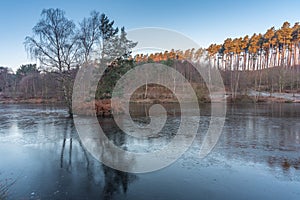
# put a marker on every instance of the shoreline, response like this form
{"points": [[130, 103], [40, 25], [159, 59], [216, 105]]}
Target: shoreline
{"points": [[105, 108], [31, 101], [264, 97]]}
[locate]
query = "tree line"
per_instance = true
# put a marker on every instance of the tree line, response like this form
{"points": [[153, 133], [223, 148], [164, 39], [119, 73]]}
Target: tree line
{"points": [[28, 82], [276, 47], [268, 61]]}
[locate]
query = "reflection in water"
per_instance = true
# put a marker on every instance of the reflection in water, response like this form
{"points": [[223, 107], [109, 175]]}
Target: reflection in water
{"points": [[68, 136], [32, 134], [40, 145], [114, 180], [268, 133], [285, 163]]}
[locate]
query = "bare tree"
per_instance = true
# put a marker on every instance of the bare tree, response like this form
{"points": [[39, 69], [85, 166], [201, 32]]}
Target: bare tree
{"points": [[56, 46], [7, 82], [89, 34]]}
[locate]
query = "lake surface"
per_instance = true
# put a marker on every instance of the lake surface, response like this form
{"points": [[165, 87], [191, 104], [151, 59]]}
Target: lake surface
{"points": [[256, 157]]}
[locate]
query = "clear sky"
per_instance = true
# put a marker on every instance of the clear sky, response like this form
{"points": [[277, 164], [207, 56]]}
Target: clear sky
{"points": [[205, 21]]}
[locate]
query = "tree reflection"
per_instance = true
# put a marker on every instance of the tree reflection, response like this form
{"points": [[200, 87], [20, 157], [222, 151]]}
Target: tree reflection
{"points": [[69, 135], [284, 163], [114, 181], [267, 134]]}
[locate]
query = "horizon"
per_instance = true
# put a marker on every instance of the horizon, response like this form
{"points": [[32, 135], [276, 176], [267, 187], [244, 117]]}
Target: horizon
{"points": [[220, 20]]}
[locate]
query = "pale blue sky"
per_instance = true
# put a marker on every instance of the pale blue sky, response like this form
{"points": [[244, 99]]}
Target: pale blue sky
{"points": [[206, 22]]}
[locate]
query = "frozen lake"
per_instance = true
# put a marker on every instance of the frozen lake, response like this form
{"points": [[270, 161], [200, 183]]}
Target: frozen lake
{"points": [[256, 157]]}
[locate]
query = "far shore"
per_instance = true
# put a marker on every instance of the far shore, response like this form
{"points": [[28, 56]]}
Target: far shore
{"points": [[104, 108], [30, 101], [253, 97]]}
